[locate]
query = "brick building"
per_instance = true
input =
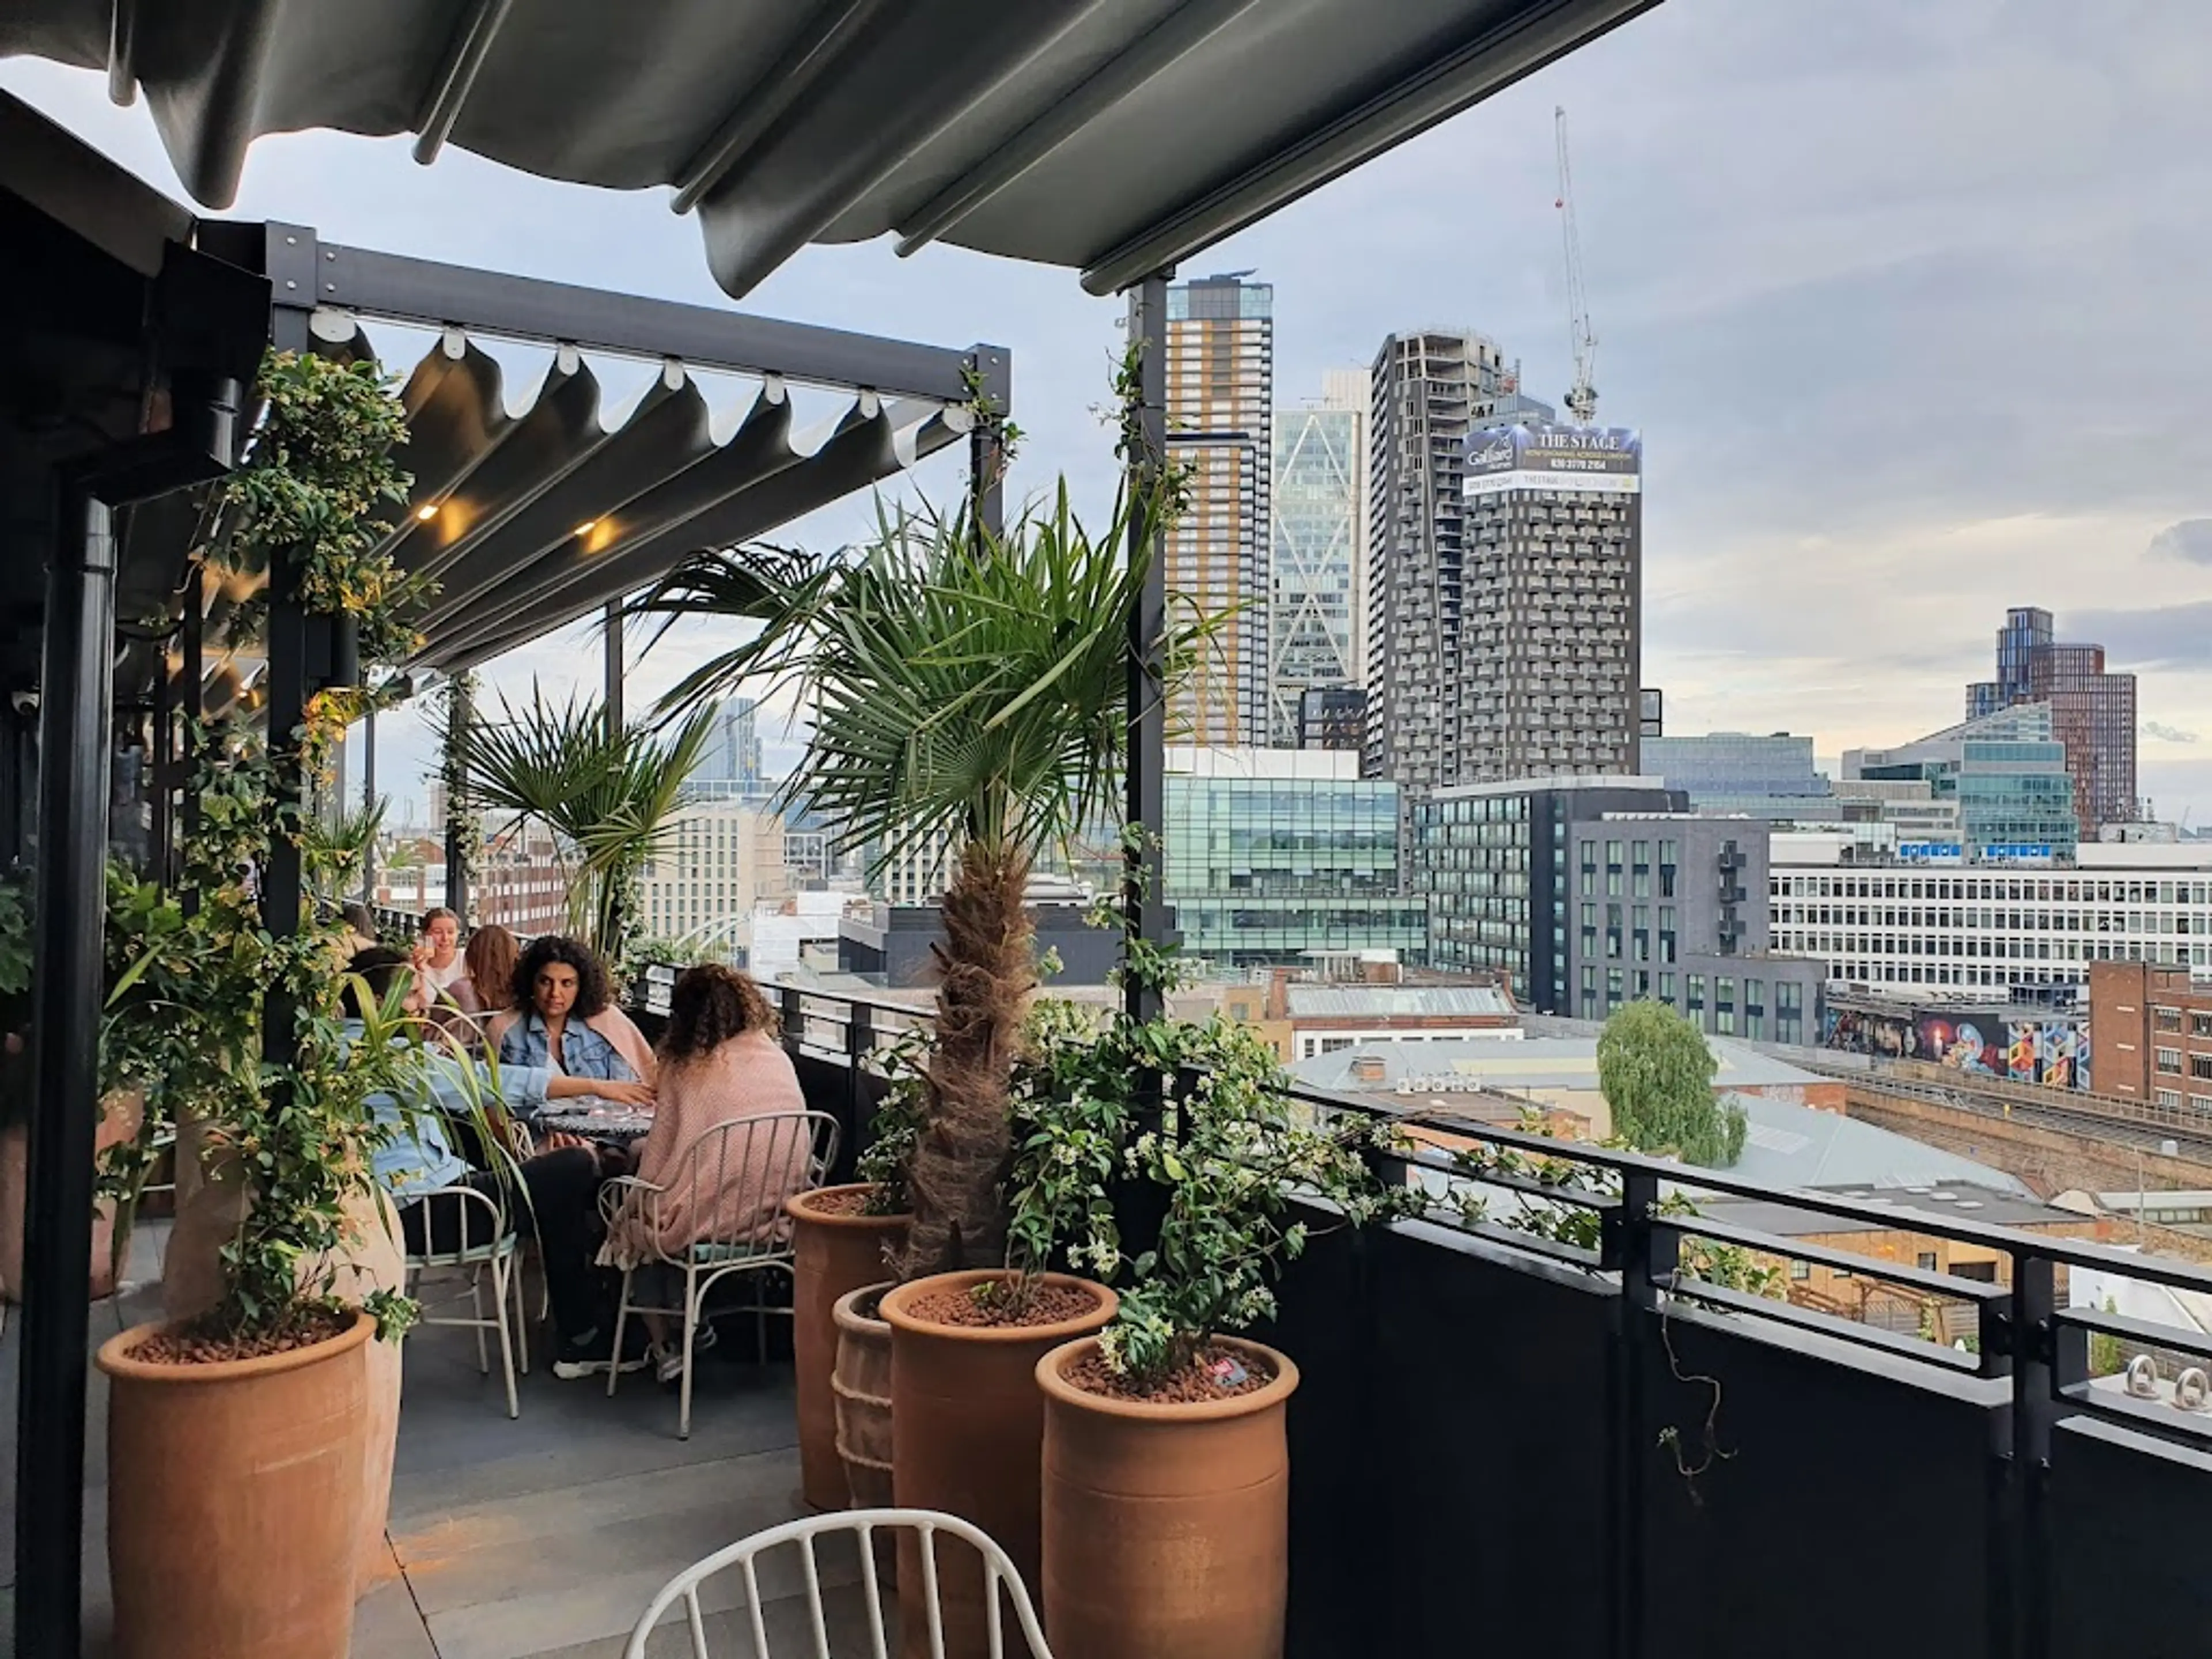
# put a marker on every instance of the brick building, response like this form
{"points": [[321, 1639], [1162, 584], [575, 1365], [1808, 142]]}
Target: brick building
{"points": [[2150, 1030]]}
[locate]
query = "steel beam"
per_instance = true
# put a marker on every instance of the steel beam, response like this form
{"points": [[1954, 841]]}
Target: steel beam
{"points": [[431, 294]]}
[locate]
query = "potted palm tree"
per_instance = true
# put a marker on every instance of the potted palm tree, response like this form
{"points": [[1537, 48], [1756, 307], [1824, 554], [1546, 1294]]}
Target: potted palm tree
{"points": [[968, 687], [608, 795]]}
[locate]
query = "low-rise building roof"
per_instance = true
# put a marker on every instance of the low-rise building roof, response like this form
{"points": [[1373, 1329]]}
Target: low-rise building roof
{"points": [[1397, 1001]]}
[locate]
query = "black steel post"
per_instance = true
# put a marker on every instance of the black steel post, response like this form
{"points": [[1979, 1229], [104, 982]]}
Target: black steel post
{"points": [[616, 666], [2044, 1359], [1140, 1206], [794, 1020], [192, 708], [1144, 442], [369, 801], [12, 749], [77, 693], [460, 715], [860, 1044], [1645, 1256], [162, 762], [283, 884], [991, 368]]}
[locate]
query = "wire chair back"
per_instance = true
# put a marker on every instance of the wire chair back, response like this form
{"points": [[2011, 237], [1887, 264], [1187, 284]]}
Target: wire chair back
{"points": [[1001, 1578], [732, 1180], [478, 1237]]}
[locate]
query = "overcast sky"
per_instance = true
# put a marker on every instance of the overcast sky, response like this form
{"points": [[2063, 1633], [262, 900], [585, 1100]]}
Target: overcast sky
{"points": [[1909, 299]]}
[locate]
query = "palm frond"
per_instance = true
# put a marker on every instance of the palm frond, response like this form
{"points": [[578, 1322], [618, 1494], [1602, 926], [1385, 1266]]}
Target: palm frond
{"points": [[963, 684], [607, 797]]}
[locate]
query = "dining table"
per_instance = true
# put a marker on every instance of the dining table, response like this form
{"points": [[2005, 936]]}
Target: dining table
{"points": [[591, 1118]]}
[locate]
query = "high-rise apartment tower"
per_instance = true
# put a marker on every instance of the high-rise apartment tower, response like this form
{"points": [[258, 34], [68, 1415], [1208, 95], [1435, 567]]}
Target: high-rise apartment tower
{"points": [[1552, 655], [2092, 713], [1220, 398], [1428, 392]]}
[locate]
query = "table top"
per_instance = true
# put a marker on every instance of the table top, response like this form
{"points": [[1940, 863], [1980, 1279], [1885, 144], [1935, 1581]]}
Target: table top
{"points": [[597, 1120]]}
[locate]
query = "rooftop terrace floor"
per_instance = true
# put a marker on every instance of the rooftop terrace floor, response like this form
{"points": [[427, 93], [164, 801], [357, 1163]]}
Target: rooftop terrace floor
{"points": [[543, 1537]]}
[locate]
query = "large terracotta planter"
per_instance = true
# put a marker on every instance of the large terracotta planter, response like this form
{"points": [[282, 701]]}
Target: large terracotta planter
{"points": [[969, 1435], [862, 1385], [209, 1203], [1166, 1527], [832, 1254], [234, 1494], [121, 1114], [862, 1388]]}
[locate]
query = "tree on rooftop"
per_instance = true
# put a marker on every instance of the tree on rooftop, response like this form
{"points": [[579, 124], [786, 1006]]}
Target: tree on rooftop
{"points": [[1657, 1073], [968, 685]]}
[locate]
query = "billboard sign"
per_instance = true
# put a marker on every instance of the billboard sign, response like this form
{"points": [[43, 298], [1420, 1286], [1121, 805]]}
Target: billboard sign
{"points": [[2017, 852], [1931, 852], [1608, 459]]}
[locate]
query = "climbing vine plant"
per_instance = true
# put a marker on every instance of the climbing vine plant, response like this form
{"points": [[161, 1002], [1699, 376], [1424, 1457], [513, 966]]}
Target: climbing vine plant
{"points": [[309, 508]]}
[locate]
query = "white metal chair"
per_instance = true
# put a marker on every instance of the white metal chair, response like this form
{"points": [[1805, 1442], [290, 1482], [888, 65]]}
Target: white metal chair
{"points": [[487, 1244], [998, 1574], [735, 1177]]}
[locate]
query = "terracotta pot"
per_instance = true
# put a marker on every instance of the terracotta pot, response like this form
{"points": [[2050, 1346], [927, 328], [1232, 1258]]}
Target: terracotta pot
{"points": [[233, 1500], [971, 1432], [208, 1208], [833, 1254], [1166, 1527], [862, 1385], [121, 1115]]}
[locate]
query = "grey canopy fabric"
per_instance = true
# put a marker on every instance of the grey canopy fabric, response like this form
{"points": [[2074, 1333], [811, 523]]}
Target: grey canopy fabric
{"points": [[528, 522], [1116, 136]]}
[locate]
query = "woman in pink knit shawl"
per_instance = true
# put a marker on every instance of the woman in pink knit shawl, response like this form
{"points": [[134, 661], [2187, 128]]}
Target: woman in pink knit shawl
{"points": [[719, 1061]]}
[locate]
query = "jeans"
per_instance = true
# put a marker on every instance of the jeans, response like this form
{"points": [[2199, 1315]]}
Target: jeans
{"points": [[563, 1192]]}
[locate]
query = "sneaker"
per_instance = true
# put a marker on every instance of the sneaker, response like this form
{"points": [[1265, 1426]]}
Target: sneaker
{"points": [[593, 1357], [669, 1364]]}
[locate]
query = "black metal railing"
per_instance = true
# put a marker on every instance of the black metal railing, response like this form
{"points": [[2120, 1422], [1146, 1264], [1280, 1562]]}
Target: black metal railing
{"points": [[1710, 1449]]}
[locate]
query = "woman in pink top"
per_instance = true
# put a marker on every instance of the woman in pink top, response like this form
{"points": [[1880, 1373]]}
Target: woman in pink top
{"points": [[719, 1062]]}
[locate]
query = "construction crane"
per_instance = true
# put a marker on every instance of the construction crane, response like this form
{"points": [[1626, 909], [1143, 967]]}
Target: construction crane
{"points": [[1582, 396]]}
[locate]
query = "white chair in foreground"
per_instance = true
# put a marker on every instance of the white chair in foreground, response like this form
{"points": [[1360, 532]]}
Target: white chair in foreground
{"points": [[862, 1525], [487, 1243], [733, 1179]]}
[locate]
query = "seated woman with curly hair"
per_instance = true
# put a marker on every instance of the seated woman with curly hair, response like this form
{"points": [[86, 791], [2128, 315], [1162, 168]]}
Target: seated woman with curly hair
{"points": [[563, 1017], [719, 1062]]}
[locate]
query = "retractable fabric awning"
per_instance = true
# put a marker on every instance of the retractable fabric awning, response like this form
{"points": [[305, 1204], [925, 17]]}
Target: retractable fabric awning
{"points": [[529, 521], [1114, 137]]}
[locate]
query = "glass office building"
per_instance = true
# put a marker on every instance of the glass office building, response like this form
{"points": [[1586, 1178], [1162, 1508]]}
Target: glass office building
{"points": [[1725, 767], [2006, 773], [1273, 855]]}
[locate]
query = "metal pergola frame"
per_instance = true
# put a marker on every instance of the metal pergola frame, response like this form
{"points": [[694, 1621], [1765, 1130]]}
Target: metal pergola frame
{"points": [[307, 275], [283, 274]]}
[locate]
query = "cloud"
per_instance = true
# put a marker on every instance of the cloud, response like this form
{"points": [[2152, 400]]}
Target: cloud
{"points": [[2190, 539], [2166, 733], [2175, 636]]}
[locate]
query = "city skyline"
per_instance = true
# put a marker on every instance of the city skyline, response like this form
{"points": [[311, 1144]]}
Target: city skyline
{"points": [[1797, 238]]}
